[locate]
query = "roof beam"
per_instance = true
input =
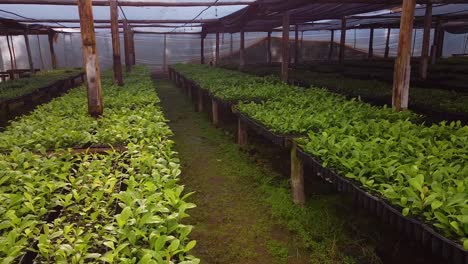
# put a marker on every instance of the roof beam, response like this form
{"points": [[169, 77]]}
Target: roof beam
{"points": [[100, 21], [124, 3]]}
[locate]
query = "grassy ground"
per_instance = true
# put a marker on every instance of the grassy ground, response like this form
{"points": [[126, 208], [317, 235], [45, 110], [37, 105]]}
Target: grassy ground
{"points": [[245, 213]]}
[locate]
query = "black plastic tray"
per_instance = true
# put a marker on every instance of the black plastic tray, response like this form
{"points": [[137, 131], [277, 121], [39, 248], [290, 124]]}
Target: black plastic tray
{"points": [[413, 228], [279, 140]]}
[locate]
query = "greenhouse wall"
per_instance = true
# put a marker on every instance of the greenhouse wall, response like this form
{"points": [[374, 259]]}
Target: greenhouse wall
{"points": [[149, 48]]}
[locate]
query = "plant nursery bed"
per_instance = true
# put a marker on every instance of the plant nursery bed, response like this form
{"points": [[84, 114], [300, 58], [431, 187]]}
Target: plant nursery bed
{"points": [[412, 228]]}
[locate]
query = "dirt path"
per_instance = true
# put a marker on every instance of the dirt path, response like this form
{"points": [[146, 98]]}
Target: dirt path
{"points": [[232, 223]]}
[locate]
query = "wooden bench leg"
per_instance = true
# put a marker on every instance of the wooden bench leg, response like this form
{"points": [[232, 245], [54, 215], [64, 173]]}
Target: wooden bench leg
{"points": [[200, 101], [214, 112], [297, 177], [241, 133]]}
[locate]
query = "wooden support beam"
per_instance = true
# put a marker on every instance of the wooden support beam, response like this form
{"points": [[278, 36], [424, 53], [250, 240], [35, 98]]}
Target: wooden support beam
{"points": [[242, 50], [437, 31], [285, 48], [202, 49], [332, 43], [214, 112], [425, 42], [387, 44], [132, 48], [241, 133], [117, 64], [52, 51], [296, 44], [165, 54], [297, 177], [440, 43], [128, 65], [217, 49], [127, 3], [14, 52], [28, 50], [90, 58], [402, 74], [371, 43], [269, 47], [12, 59], [200, 100], [342, 40]]}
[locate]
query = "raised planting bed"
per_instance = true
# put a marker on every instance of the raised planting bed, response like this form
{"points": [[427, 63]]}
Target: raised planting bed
{"points": [[32, 94], [414, 228], [117, 201]]}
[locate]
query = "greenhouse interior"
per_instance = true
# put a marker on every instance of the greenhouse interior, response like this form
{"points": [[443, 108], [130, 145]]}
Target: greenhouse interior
{"points": [[234, 131]]}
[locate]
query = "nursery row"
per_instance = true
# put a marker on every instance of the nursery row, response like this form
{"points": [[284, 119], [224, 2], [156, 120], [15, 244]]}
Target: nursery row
{"points": [[19, 87], [440, 100], [417, 168], [124, 205]]}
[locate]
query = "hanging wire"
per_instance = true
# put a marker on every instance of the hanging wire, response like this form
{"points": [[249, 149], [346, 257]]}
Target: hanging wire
{"points": [[28, 18], [199, 14]]}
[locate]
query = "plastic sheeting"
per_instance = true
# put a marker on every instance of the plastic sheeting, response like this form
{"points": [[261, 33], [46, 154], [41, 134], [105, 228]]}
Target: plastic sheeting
{"points": [[149, 48]]}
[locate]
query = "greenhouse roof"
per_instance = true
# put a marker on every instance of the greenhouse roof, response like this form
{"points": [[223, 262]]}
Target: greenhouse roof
{"points": [[210, 16]]}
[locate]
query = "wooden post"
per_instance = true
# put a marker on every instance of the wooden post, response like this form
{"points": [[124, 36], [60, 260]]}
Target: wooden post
{"points": [[269, 48], [343, 40], [217, 49], [297, 177], [214, 112], [90, 57], [40, 51], [440, 43], [425, 42], [12, 59], [332, 42], [285, 48], [241, 50], [28, 50], [202, 49], [114, 15], [165, 53], [437, 30], [402, 74], [387, 44], [296, 45], [200, 100], [241, 133], [371, 44], [128, 65], [132, 47], [52, 51]]}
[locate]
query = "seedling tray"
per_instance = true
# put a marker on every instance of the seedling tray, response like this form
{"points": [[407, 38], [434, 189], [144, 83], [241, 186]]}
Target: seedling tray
{"points": [[411, 227]]}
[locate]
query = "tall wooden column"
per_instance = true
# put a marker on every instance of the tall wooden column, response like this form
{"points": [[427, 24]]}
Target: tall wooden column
{"points": [[387, 43], [285, 48], [117, 64], [332, 43], [402, 74], [437, 31], [242, 50], [217, 49], [371, 44], [128, 65], [28, 50], [269, 47], [296, 44], [90, 57], [440, 43], [132, 47], [52, 51], [342, 40], [202, 48], [425, 42], [165, 53], [12, 58], [231, 45]]}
